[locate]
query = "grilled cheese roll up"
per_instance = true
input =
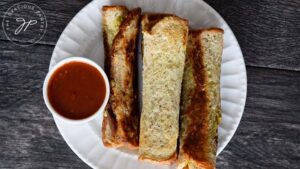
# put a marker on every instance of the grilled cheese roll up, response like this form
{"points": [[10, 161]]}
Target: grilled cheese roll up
{"points": [[121, 118], [200, 104], [112, 17], [164, 48]]}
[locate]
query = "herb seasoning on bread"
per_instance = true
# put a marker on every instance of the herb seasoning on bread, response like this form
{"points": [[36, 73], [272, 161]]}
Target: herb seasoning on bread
{"points": [[200, 101], [121, 117], [164, 39]]}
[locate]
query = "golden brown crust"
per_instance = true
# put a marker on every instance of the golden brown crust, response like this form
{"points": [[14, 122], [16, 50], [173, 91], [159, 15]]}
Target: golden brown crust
{"points": [[198, 31], [121, 123], [128, 123], [109, 124], [116, 7], [170, 160], [151, 19], [197, 147], [197, 109]]}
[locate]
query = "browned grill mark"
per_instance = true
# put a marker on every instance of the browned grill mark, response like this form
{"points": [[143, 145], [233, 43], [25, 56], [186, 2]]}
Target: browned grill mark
{"points": [[195, 141], [104, 8], [129, 123], [196, 144], [154, 18]]}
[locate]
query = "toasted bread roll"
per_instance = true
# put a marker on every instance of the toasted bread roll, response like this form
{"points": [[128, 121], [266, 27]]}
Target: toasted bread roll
{"points": [[121, 118], [112, 17], [200, 104], [164, 49]]}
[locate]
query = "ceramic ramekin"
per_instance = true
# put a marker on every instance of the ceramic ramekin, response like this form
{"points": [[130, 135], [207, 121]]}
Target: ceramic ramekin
{"points": [[59, 65]]}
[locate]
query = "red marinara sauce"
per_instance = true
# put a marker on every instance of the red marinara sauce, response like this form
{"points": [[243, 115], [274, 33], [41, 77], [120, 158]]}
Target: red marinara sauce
{"points": [[76, 90]]}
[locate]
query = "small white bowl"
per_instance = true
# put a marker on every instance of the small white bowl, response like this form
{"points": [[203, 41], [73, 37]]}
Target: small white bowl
{"points": [[59, 65]]}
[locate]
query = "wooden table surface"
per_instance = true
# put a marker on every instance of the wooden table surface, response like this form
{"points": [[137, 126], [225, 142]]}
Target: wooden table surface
{"points": [[268, 136]]}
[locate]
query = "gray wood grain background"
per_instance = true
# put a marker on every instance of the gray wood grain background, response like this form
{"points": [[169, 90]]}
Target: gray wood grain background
{"points": [[269, 133]]}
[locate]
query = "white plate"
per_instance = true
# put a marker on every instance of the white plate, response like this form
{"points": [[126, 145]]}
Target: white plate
{"points": [[83, 37]]}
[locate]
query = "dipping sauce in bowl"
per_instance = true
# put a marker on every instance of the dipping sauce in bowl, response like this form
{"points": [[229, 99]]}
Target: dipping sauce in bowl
{"points": [[76, 89]]}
